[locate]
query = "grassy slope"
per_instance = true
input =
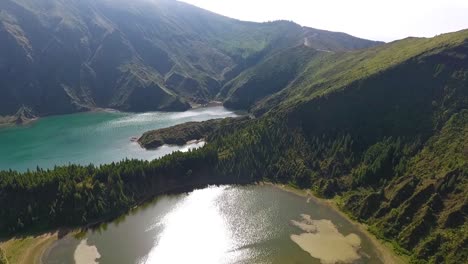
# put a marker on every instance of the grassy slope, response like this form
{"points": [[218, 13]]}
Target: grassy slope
{"points": [[27, 249], [338, 70], [3, 258], [266, 78]]}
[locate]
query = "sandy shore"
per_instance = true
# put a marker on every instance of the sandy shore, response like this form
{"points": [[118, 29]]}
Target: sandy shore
{"points": [[386, 253], [28, 249]]}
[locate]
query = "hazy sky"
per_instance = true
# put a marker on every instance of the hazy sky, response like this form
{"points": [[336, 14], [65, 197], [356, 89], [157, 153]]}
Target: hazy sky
{"points": [[373, 19]]}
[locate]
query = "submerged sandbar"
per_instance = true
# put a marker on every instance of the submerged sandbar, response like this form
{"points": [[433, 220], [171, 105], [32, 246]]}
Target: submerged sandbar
{"points": [[322, 240]]}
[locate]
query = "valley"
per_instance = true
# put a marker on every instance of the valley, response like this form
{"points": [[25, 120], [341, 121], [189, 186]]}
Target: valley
{"points": [[133, 56], [380, 129]]}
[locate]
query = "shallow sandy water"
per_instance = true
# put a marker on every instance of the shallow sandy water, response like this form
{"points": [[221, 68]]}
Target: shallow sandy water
{"points": [[323, 241]]}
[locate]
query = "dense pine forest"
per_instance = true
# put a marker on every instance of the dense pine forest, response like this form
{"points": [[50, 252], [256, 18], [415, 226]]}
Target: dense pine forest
{"points": [[81, 195], [383, 131]]}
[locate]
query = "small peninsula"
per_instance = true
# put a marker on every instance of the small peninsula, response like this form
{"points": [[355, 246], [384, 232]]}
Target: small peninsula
{"points": [[183, 133]]}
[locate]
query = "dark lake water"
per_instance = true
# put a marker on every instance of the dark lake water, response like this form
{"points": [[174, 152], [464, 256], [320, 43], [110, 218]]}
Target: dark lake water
{"points": [[226, 224]]}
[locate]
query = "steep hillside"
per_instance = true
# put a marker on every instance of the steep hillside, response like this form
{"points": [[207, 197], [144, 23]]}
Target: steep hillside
{"points": [[426, 209], [385, 130], [268, 77], [298, 74], [65, 56], [333, 71]]}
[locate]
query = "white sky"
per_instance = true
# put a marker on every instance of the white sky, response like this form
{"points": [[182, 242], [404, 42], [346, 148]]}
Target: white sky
{"points": [[372, 19]]}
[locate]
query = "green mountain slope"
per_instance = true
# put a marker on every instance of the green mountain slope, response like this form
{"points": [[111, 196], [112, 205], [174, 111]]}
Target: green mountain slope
{"points": [[268, 77], [425, 210], [65, 56], [333, 71]]}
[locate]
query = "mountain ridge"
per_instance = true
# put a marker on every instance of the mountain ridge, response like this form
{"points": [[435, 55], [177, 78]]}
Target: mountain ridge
{"points": [[63, 57]]}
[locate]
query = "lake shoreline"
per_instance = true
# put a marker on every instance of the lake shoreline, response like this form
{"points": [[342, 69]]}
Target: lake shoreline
{"points": [[38, 244], [7, 121], [28, 249], [10, 121], [386, 253], [100, 137]]}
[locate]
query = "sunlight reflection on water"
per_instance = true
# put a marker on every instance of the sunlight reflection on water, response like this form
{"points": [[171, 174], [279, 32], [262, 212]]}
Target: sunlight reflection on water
{"points": [[222, 225], [210, 242]]}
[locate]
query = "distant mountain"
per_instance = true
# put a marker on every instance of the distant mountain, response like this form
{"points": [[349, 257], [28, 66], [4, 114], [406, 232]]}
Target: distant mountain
{"points": [[62, 56]]}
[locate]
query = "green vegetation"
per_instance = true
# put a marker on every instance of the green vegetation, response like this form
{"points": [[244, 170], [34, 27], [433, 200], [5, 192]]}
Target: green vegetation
{"points": [[267, 78], [27, 248], [183, 133], [333, 71], [80, 195], [3, 258], [387, 131]]}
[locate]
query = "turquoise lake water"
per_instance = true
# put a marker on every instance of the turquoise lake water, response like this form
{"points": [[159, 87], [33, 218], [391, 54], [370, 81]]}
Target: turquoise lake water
{"points": [[84, 138]]}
